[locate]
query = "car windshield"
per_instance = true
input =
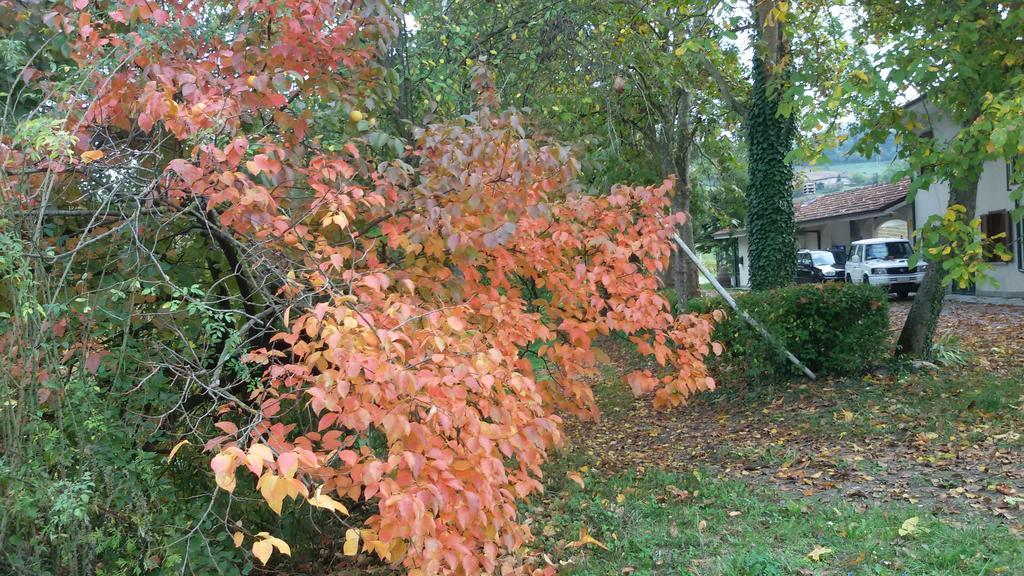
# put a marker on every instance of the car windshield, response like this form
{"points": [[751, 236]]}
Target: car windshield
{"points": [[888, 251], [823, 258]]}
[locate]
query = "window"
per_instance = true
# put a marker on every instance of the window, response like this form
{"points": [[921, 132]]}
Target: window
{"points": [[1019, 240], [1014, 176], [994, 224], [888, 251], [823, 258], [1014, 166]]}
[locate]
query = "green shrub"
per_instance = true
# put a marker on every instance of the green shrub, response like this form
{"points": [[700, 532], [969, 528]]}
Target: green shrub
{"points": [[834, 329]]}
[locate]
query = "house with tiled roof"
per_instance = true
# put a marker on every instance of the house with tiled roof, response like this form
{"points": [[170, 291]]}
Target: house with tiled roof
{"points": [[833, 221]]}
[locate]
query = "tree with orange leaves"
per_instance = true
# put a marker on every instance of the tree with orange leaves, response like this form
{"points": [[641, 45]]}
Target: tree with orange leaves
{"points": [[399, 333]]}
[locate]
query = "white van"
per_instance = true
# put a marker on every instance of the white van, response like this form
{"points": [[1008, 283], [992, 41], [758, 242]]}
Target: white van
{"points": [[883, 262]]}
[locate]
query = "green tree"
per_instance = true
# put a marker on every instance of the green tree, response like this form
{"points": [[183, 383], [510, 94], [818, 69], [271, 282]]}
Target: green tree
{"points": [[625, 80], [964, 58]]}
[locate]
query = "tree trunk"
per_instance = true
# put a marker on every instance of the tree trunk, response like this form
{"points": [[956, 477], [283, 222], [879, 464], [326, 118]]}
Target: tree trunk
{"points": [[770, 218], [919, 329], [685, 279]]}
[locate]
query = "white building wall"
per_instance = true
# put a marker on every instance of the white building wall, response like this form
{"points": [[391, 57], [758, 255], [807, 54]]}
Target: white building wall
{"points": [[744, 250], [993, 196]]}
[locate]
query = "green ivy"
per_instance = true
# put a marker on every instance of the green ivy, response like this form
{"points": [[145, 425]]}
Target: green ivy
{"points": [[770, 220]]}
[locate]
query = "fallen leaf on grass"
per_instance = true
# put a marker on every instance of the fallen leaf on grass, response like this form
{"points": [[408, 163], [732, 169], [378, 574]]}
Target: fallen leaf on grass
{"points": [[818, 552], [910, 526], [680, 494], [1004, 489], [585, 538], [575, 477], [734, 513]]}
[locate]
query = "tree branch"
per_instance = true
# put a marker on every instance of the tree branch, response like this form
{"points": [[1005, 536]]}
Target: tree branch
{"points": [[738, 107]]}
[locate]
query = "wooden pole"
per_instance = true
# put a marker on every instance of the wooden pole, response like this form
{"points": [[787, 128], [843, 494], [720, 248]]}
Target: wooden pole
{"points": [[746, 317]]}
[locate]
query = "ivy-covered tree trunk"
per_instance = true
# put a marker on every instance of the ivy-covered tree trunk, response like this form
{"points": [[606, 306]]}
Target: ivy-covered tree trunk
{"points": [[770, 220], [919, 329]]}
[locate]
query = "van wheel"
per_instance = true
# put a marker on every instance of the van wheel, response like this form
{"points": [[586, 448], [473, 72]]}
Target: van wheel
{"points": [[866, 280], [848, 279], [902, 294]]}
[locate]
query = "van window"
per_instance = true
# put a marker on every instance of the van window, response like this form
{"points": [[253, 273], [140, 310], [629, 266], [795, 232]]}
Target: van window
{"points": [[888, 251]]}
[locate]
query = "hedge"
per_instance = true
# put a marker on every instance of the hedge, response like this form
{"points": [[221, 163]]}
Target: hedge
{"points": [[835, 329]]}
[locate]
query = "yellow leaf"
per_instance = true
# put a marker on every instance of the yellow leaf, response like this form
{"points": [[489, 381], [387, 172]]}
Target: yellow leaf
{"points": [[325, 501], [909, 527], [92, 155], [861, 74], [585, 538], [262, 550], [341, 220], [620, 498], [175, 450], [238, 537], [351, 547], [281, 545], [273, 488], [575, 477], [398, 549], [258, 454], [818, 552]]}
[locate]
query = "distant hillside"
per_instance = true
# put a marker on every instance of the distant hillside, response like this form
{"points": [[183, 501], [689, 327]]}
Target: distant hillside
{"points": [[856, 170], [842, 154]]}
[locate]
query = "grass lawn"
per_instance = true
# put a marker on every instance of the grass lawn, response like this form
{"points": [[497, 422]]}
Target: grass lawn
{"points": [[898, 472], [674, 523]]}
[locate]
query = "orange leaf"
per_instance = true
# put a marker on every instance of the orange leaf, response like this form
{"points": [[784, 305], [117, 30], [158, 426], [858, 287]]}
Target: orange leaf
{"points": [[92, 156]]}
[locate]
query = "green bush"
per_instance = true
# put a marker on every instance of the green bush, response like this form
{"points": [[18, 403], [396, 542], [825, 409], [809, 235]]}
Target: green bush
{"points": [[834, 329]]}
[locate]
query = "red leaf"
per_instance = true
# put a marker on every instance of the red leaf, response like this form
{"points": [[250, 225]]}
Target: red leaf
{"points": [[92, 361]]}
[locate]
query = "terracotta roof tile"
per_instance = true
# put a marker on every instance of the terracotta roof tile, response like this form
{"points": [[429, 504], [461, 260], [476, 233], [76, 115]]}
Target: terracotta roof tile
{"points": [[862, 200], [851, 202]]}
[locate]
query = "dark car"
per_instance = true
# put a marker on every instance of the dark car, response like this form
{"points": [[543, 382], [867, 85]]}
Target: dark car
{"points": [[818, 266]]}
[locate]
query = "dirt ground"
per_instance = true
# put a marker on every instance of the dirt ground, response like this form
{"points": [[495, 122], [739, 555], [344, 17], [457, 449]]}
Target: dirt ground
{"points": [[947, 441]]}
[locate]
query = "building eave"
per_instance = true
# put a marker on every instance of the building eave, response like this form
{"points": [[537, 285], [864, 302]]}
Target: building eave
{"points": [[855, 215]]}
